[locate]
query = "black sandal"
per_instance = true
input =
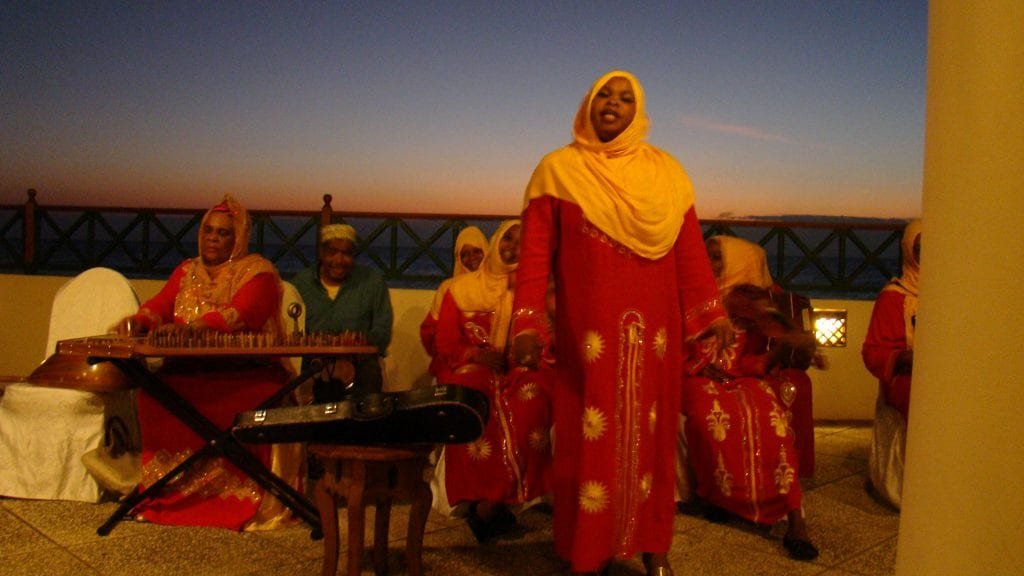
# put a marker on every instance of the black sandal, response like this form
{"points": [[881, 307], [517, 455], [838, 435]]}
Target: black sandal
{"points": [[799, 549], [481, 528]]}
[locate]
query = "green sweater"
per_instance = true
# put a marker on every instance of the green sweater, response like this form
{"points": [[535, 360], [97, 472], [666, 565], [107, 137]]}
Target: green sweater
{"points": [[363, 304]]}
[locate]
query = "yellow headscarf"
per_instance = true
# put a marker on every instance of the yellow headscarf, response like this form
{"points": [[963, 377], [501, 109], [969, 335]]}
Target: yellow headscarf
{"points": [[635, 193], [911, 267], [486, 289], [469, 236], [907, 282], [743, 262]]}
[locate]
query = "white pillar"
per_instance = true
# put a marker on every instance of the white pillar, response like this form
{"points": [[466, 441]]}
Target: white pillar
{"points": [[963, 493]]}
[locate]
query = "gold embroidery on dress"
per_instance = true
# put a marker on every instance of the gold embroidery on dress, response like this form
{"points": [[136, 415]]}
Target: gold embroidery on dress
{"points": [[540, 439], [780, 423], [787, 392], [477, 333], [784, 473], [208, 478], [661, 342], [204, 289], [594, 423], [479, 449], [718, 421], [723, 478], [589, 230], [528, 391], [593, 346], [646, 481], [652, 417], [703, 308], [593, 497]]}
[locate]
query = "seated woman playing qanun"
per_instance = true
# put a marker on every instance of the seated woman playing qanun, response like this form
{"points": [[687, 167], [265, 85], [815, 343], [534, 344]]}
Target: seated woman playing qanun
{"points": [[225, 289]]}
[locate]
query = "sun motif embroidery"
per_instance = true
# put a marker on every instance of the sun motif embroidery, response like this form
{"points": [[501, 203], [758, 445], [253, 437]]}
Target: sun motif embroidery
{"points": [[652, 417], [528, 391], [718, 422], [593, 423], [593, 497], [784, 473], [780, 423], [479, 449], [593, 346], [723, 478], [540, 439], [661, 342], [645, 485]]}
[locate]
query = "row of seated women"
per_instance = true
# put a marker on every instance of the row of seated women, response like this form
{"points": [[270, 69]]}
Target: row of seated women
{"points": [[729, 397], [742, 454]]}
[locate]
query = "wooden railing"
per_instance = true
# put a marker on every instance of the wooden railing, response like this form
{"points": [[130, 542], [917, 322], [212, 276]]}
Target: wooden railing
{"points": [[825, 259]]}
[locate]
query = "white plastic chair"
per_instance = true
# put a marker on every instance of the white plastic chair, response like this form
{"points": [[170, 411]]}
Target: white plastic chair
{"points": [[44, 431]]}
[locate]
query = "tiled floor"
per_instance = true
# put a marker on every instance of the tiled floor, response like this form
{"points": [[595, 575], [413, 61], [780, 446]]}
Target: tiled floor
{"points": [[855, 534]]}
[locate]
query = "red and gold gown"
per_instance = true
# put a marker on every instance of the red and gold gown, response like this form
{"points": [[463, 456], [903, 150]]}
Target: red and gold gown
{"points": [[245, 295], [511, 461], [740, 442], [621, 324]]}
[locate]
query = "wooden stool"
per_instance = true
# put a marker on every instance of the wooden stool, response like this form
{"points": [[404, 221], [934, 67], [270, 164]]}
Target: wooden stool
{"points": [[361, 475]]}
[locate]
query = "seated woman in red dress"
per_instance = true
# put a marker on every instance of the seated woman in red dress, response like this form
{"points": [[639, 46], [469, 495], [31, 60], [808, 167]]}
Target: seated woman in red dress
{"points": [[470, 245], [740, 443], [509, 464], [783, 323], [888, 353], [225, 289]]}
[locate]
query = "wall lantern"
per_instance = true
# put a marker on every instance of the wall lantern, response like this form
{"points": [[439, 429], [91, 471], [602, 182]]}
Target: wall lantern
{"points": [[829, 327]]}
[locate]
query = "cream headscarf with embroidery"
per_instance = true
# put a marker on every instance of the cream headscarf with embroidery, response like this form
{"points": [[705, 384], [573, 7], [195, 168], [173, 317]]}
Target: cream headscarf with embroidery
{"points": [[635, 193], [487, 290], [206, 288]]}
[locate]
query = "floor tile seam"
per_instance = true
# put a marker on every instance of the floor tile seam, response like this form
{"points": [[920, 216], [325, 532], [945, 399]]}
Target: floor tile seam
{"points": [[780, 553], [93, 571], [833, 481], [867, 549]]}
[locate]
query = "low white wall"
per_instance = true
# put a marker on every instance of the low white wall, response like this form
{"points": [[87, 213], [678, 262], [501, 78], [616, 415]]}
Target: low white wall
{"points": [[846, 391]]}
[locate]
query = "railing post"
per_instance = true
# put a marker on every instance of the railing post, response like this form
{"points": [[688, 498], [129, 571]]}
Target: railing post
{"points": [[28, 232], [326, 213]]}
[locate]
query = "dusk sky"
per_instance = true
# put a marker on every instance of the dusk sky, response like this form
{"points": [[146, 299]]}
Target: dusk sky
{"points": [[446, 107]]}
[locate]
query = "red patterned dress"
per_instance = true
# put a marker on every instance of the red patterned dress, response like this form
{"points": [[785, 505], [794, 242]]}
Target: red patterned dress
{"points": [[511, 461], [740, 443], [621, 324]]}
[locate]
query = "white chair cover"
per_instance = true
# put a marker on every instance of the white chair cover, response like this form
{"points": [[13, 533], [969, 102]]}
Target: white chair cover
{"points": [[44, 431], [888, 444]]}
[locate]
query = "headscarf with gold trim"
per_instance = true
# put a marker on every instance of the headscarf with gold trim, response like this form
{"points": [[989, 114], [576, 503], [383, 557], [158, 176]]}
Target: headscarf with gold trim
{"points": [[635, 193], [487, 290], [743, 262], [469, 236], [207, 288]]}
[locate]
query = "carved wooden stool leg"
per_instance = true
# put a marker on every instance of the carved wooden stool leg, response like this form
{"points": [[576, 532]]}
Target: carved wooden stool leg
{"points": [[356, 514], [327, 504], [381, 527], [421, 500]]}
